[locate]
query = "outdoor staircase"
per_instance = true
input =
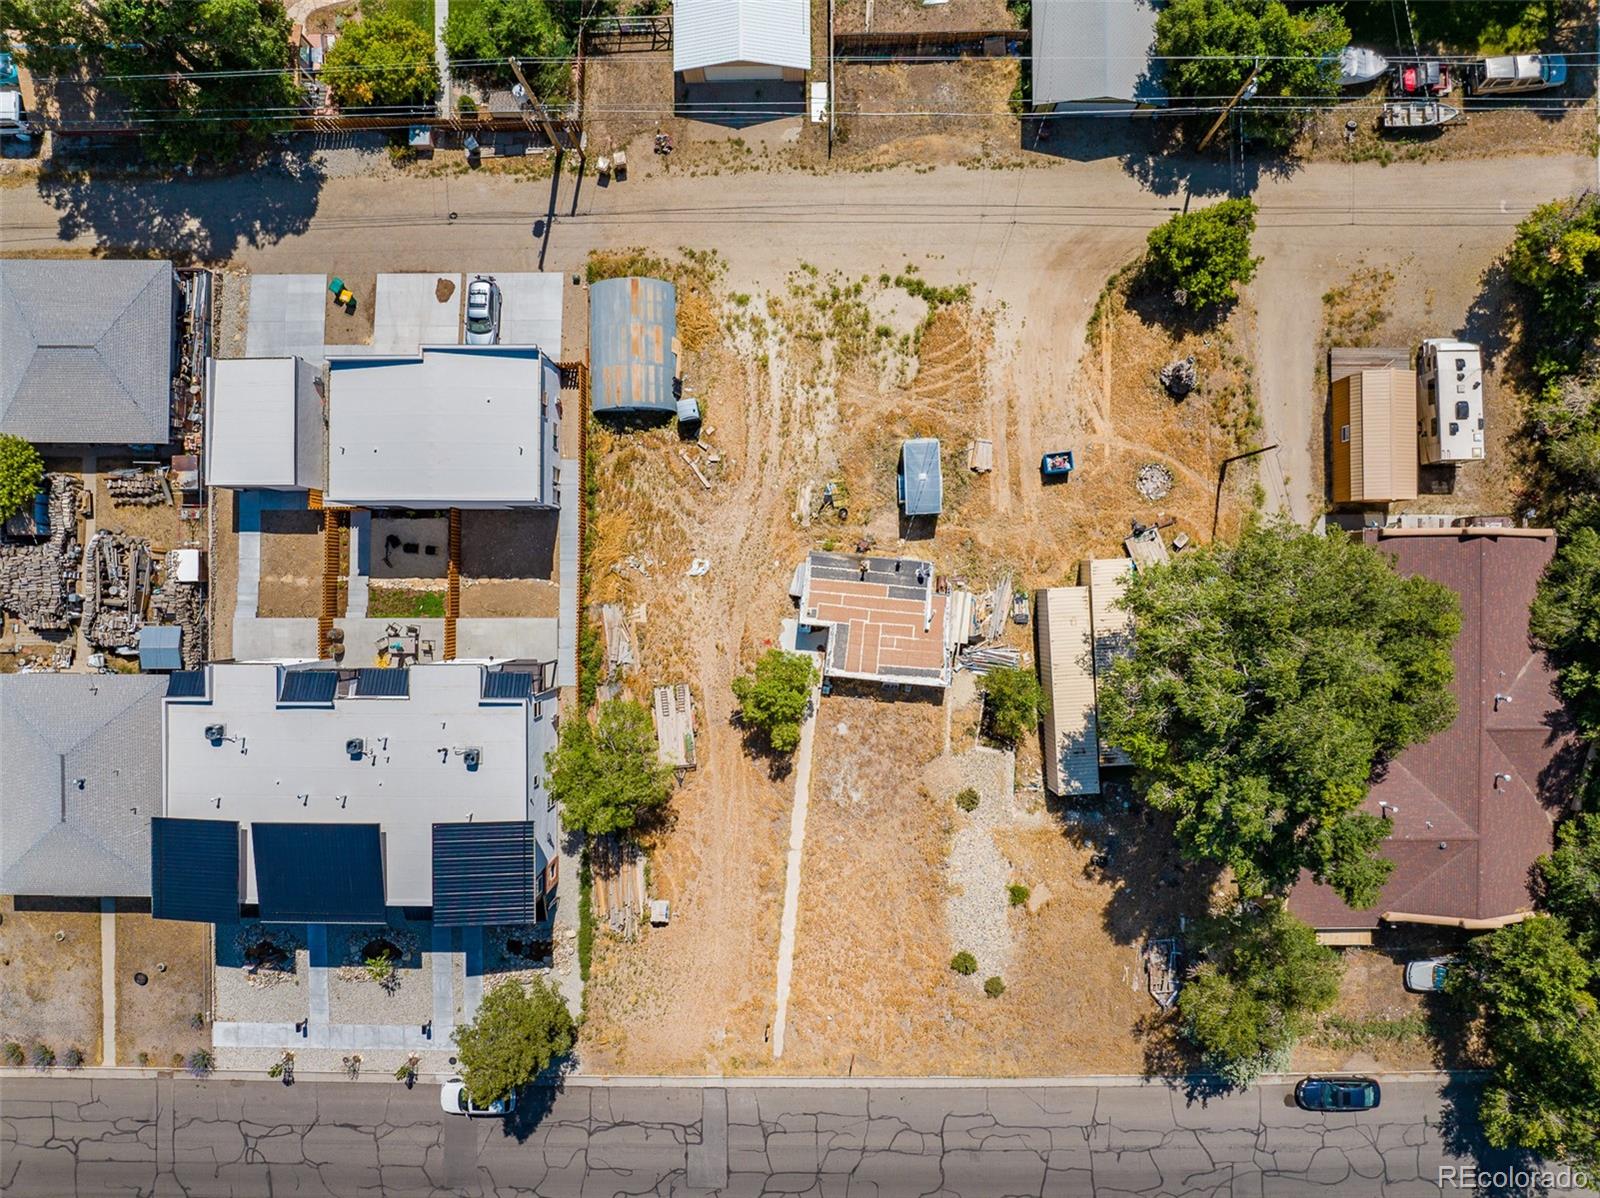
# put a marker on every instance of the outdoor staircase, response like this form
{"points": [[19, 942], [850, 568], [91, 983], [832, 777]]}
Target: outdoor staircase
{"points": [[330, 578], [452, 599]]}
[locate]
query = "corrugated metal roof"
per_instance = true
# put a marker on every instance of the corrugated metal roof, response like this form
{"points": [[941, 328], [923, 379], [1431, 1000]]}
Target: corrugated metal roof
{"points": [[922, 477], [384, 683], [194, 869], [1066, 669], [86, 350], [308, 686], [487, 873], [81, 778], [1085, 50], [160, 647], [319, 873], [186, 684], [1108, 578], [507, 684], [1383, 435], [632, 323], [710, 33]]}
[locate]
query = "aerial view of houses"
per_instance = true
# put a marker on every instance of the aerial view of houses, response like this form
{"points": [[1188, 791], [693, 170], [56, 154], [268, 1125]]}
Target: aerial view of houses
{"points": [[800, 596]]}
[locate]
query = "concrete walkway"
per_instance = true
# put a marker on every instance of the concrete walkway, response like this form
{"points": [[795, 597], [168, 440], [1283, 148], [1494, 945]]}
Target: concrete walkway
{"points": [[108, 981], [441, 13], [355, 607], [472, 979], [317, 952], [791, 883], [567, 548]]}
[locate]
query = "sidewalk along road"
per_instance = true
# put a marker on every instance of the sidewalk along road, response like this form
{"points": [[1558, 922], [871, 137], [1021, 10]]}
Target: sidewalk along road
{"points": [[209, 1138]]}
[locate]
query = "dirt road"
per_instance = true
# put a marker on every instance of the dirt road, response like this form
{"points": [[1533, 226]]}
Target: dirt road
{"points": [[1039, 241]]}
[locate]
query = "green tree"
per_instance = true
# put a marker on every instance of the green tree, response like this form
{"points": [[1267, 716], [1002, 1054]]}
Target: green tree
{"points": [[1014, 702], [1556, 258], [1206, 252], [1267, 679], [773, 696], [209, 76], [1569, 879], [518, 1032], [1530, 985], [1563, 424], [1261, 983], [383, 60], [606, 776], [1211, 45], [21, 473], [483, 34], [1566, 620]]}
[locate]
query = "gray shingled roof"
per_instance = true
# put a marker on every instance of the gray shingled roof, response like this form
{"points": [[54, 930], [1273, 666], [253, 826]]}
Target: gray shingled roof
{"points": [[86, 350], [58, 729], [1088, 50]]}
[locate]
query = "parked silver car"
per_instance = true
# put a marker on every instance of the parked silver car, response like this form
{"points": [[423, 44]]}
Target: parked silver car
{"points": [[453, 1100], [1427, 975], [483, 311]]}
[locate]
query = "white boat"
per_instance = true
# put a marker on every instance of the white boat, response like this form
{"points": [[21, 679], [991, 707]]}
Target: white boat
{"points": [[1358, 66], [1417, 114]]}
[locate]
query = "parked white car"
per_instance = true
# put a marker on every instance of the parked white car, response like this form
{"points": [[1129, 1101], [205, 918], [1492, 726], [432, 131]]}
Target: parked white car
{"points": [[453, 1100], [1427, 975], [483, 311]]}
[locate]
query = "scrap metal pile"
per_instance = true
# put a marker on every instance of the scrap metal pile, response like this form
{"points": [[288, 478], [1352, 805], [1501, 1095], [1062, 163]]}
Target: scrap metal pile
{"points": [[181, 603], [36, 580]]}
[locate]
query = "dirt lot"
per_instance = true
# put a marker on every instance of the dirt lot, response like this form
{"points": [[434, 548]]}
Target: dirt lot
{"points": [[155, 1021], [222, 590], [913, 16], [158, 524], [291, 563], [508, 597], [49, 990], [951, 111], [818, 378]]}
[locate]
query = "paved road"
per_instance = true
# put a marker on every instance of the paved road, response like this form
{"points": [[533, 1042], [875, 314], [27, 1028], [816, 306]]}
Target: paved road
{"points": [[65, 1137]]}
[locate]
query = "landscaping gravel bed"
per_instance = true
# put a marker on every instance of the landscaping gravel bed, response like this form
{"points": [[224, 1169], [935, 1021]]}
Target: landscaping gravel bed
{"points": [[978, 872]]}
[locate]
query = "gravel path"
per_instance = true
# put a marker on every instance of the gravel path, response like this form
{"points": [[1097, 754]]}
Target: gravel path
{"points": [[978, 872]]}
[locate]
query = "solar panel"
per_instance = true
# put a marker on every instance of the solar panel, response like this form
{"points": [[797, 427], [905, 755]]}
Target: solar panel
{"points": [[383, 683], [319, 873], [308, 686], [507, 684], [194, 869], [186, 684]]}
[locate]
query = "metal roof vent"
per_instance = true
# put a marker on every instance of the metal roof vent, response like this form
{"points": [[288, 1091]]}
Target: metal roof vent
{"points": [[216, 733], [355, 747], [472, 758]]}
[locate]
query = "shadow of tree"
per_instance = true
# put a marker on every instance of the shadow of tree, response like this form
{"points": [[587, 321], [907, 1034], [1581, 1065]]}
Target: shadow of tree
{"points": [[535, 1102], [1502, 1171], [201, 220]]}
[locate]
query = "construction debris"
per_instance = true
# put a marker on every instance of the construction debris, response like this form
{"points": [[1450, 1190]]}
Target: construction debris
{"points": [[1179, 378], [619, 638], [698, 567], [704, 481], [118, 580], [982, 660], [183, 604], [36, 581], [1163, 966], [980, 458], [1154, 481], [673, 708], [136, 488]]}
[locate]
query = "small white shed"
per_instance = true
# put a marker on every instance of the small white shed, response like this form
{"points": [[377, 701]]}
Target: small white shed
{"points": [[737, 41]]}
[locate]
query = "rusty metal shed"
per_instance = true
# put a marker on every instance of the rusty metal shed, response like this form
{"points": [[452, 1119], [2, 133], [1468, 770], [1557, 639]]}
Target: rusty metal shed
{"points": [[632, 357]]}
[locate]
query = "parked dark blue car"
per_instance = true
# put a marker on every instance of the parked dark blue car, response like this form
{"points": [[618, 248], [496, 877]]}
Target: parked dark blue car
{"points": [[1334, 1094]]}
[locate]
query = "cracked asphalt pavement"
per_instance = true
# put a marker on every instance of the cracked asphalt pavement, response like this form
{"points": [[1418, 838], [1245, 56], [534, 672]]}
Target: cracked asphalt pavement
{"points": [[200, 1138]]}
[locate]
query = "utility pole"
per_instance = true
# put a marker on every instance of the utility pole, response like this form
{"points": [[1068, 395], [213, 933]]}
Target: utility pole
{"points": [[1247, 86], [539, 110]]}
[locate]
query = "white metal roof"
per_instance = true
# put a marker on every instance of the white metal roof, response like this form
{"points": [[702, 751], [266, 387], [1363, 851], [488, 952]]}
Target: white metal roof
{"points": [[1108, 578], [455, 426], [1066, 670], [250, 411], [710, 33], [1088, 50], [290, 764]]}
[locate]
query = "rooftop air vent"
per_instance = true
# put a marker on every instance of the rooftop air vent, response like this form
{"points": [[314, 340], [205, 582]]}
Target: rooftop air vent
{"points": [[472, 758], [355, 746], [216, 732]]}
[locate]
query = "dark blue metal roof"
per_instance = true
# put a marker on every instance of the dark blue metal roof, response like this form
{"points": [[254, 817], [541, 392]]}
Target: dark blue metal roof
{"points": [[308, 686], [319, 873], [194, 869], [384, 683], [486, 873], [507, 684], [186, 684]]}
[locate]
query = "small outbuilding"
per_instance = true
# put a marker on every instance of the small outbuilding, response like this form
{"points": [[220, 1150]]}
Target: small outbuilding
{"points": [[1064, 626], [160, 647], [1374, 436], [738, 41], [1094, 56], [633, 358], [921, 482]]}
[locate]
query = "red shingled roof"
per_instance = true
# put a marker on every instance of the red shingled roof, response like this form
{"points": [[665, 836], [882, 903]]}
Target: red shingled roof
{"points": [[1464, 838]]}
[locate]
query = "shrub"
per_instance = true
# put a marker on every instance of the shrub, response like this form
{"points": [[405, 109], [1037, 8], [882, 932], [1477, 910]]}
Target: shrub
{"points": [[13, 1053], [967, 799], [382, 60], [177, 1060], [41, 1056], [964, 963], [1017, 893], [144, 1059], [200, 1062], [518, 1032], [994, 987], [467, 106], [21, 472], [607, 777], [1205, 253], [197, 1021], [380, 969], [1013, 701], [72, 1058], [585, 916]]}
